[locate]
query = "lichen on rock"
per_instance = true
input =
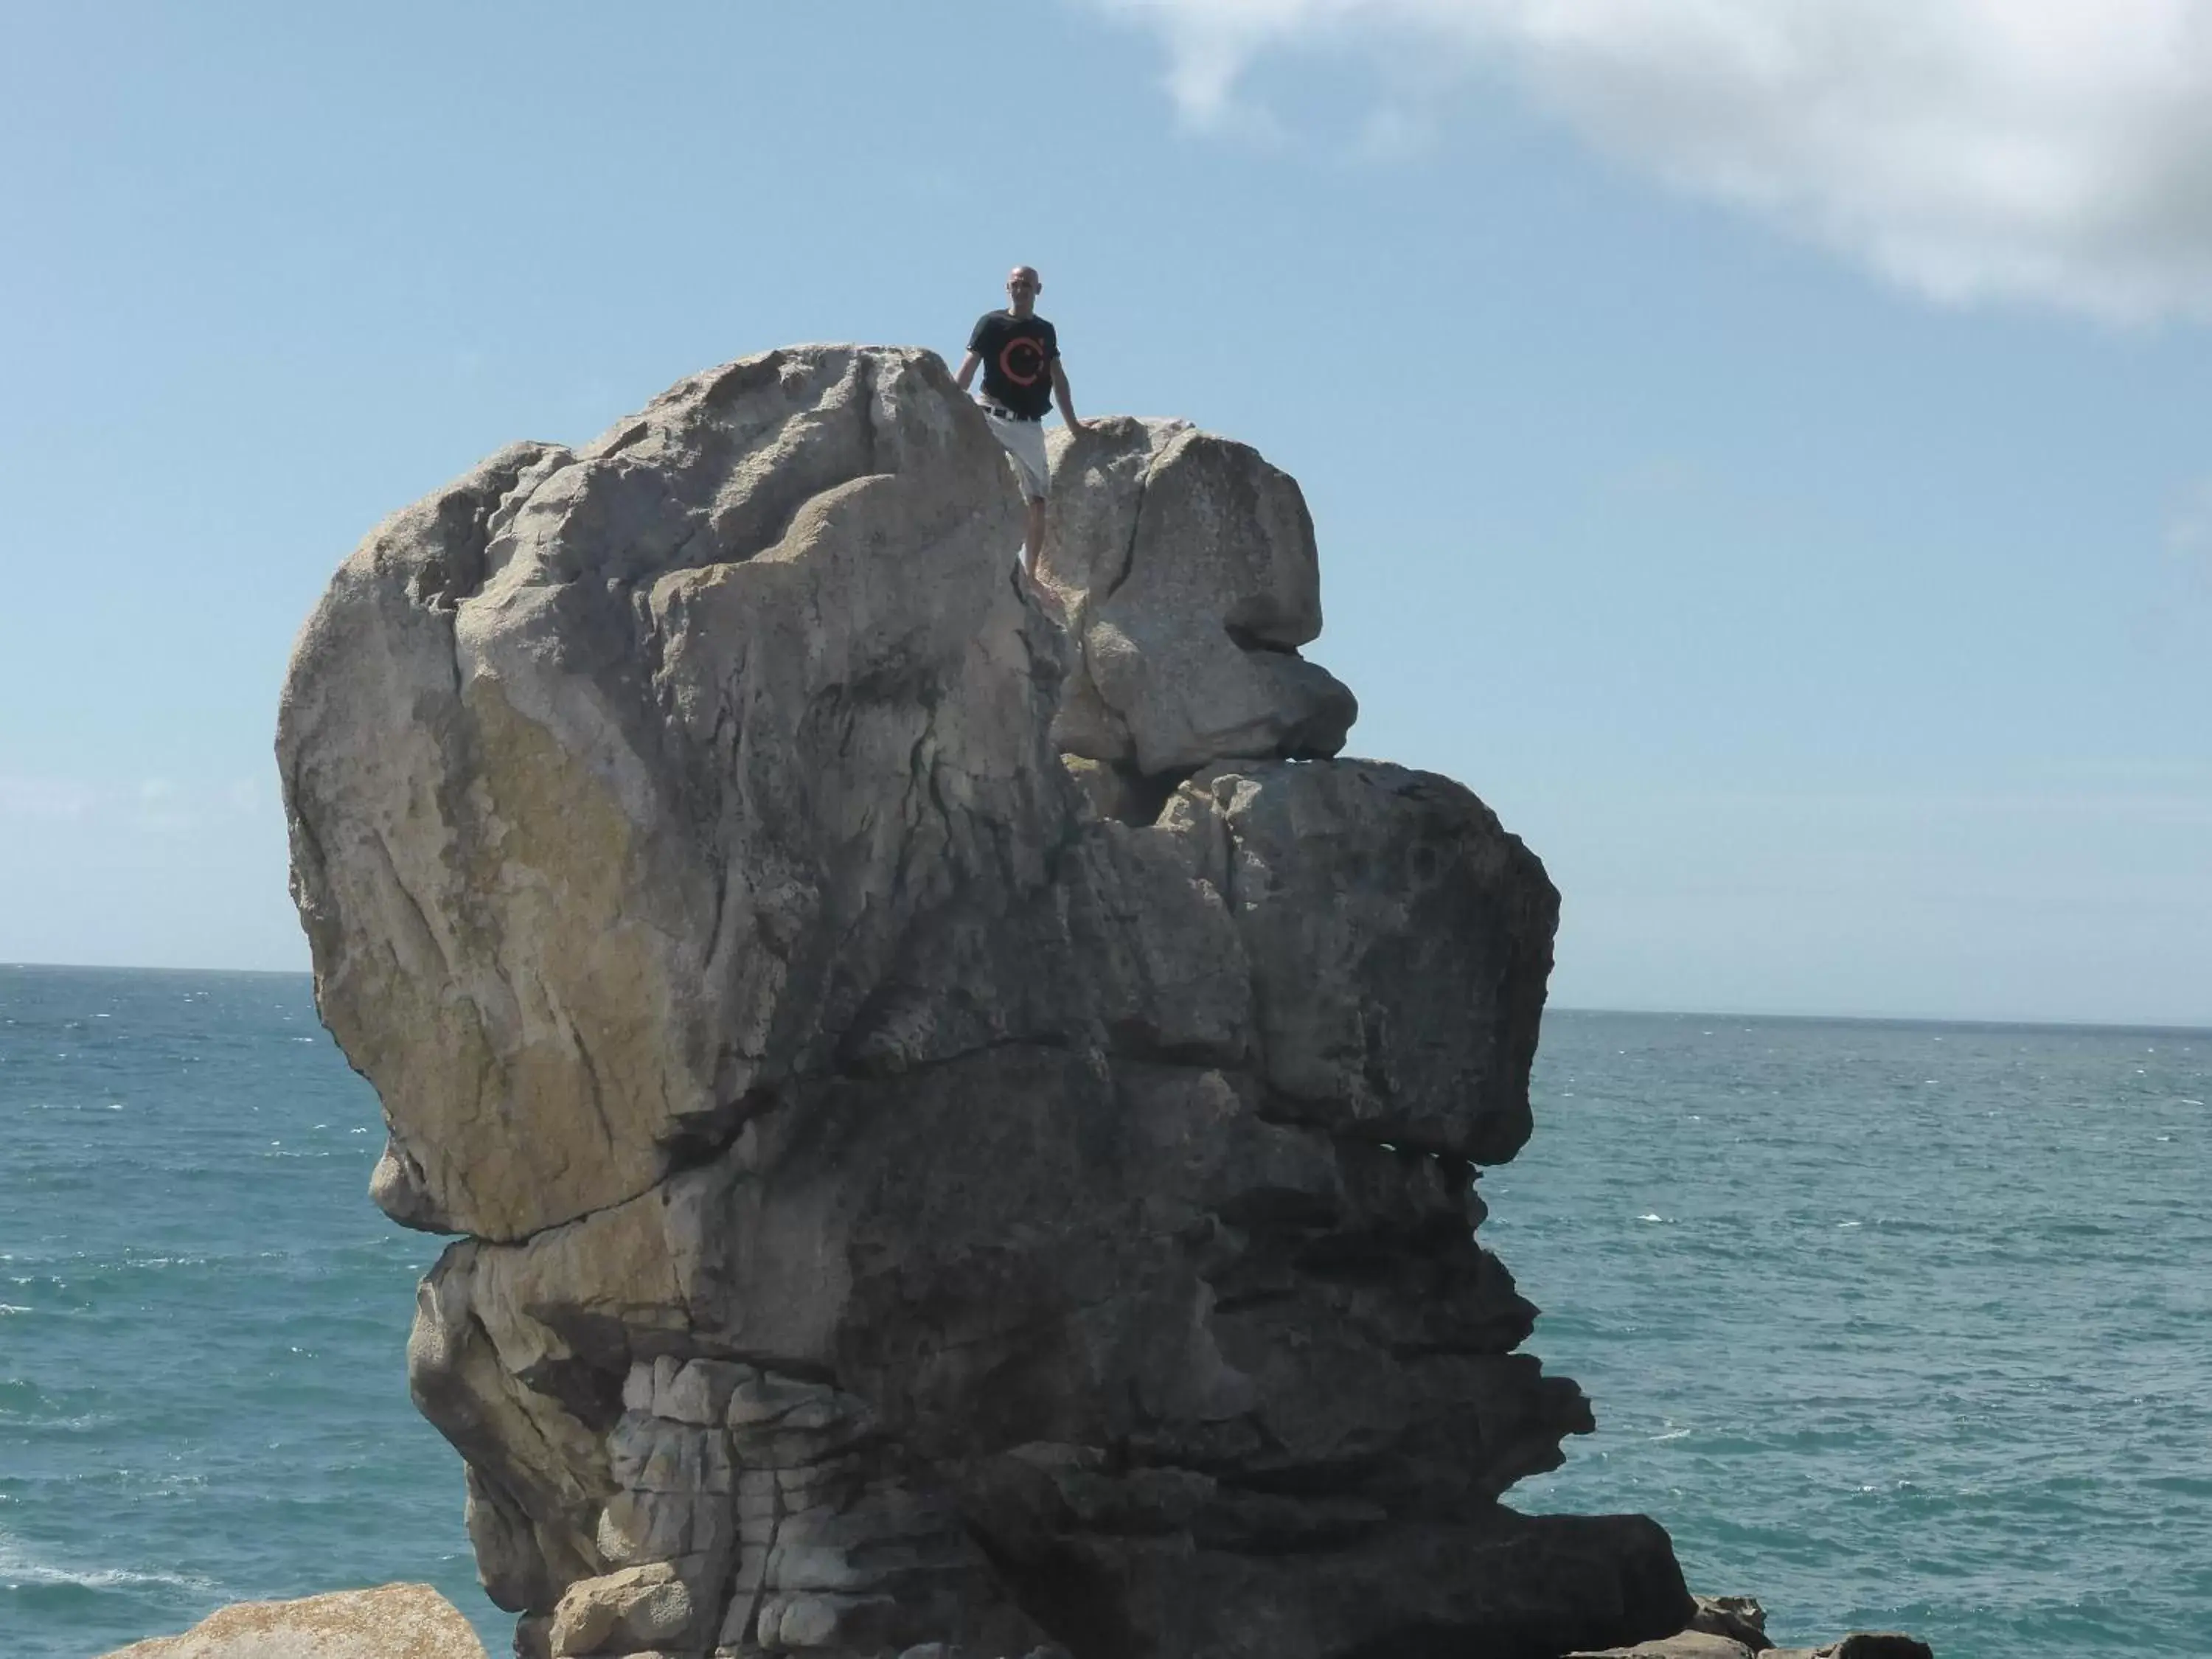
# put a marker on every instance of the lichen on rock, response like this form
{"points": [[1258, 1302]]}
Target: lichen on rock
{"points": [[965, 1132]]}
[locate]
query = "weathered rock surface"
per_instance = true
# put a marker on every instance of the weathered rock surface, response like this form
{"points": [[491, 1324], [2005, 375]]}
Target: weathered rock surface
{"points": [[918, 1191], [392, 1621], [619, 777], [1693, 1644], [1187, 564], [1734, 1627]]}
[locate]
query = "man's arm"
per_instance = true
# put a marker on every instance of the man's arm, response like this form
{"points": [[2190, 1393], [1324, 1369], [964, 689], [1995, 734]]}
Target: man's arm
{"points": [[1065, 398], [967, 368]]}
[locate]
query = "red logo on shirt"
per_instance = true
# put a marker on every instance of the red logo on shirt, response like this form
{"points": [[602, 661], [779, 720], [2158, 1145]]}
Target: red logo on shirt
{"points": [[1022, 362]]}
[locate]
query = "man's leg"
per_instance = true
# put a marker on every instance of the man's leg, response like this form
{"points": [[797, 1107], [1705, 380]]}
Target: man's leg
{"points": [[1032, 550], [1033, 538], [1023, 442]]}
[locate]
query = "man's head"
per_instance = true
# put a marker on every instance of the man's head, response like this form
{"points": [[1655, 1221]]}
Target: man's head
{"points": [[1022, 287]]}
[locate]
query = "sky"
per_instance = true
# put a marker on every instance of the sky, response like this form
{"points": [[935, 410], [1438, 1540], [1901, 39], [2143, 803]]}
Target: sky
{"points": [[1765, 451]]}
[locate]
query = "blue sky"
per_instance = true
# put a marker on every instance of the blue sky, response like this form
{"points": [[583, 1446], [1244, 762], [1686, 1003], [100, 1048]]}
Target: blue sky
{"points": [[1768, 456]]}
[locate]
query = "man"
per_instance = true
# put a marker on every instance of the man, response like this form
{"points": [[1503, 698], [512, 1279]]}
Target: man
{"points": [[1019, 354]]}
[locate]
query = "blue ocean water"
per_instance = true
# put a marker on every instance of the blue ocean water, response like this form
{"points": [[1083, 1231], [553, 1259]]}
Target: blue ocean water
{"points": [[1894, 1325], [203, 1319]]}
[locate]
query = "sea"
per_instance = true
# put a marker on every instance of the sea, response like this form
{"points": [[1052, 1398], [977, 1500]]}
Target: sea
{"points": [[1893, 1325]]}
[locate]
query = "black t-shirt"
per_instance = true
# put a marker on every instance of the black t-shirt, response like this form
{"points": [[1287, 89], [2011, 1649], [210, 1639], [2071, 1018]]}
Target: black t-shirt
{"points": [[1017, 354]]}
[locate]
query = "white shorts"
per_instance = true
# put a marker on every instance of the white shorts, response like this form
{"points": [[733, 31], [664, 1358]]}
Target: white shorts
{"points": [[1024, 442]]}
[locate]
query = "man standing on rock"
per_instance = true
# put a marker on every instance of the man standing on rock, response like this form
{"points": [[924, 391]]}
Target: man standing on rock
{"points": [[1019, 354]]}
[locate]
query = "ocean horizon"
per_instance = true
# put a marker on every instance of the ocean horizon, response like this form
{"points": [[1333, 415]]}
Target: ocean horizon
{"points": [[1892, 1322], [1965, 1022]]}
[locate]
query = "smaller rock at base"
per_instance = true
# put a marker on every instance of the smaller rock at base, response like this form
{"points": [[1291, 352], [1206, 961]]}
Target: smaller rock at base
{"points": [[624, 1612], [392, 1621], [1695, 1644], [1740, 1618], [1859, 1644], [1690, 1644]]}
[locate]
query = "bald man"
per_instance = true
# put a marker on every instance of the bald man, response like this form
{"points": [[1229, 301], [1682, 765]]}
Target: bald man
{"points": [[1018, 352]]}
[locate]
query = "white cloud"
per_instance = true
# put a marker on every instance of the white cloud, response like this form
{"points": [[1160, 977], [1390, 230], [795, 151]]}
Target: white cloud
{"points": [[2056, 151]]}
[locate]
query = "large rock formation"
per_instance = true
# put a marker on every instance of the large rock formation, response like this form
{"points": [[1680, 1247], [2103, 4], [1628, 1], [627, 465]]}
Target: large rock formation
{"points": [[927, 1180]]}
